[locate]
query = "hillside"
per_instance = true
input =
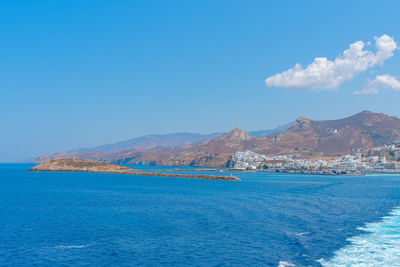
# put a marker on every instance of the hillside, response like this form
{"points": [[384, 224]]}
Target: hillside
{"points": [[331, 137], [211, 153], [279, 129], [169, 141], [149, 142], [136, 147], [214, 152], [305, 137]]}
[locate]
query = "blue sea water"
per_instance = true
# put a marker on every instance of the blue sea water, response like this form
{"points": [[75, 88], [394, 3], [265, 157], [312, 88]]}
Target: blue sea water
{"points": [[89, 219]]}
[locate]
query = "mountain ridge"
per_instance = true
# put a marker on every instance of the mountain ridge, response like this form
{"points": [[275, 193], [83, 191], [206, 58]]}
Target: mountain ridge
{"points": [[308, 138], [170, 141]]}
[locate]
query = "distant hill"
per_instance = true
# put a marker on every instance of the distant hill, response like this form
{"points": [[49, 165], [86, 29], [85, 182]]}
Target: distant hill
{"points": [[147, 148], [212, 153], [149, 142], [305, 137], [278, 129]]}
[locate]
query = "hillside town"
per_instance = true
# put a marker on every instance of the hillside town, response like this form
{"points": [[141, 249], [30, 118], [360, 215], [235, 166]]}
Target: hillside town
{"points": [[384, 159]]}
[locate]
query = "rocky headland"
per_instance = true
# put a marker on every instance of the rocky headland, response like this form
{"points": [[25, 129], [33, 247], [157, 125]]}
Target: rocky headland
{"points": [[78, 165]]}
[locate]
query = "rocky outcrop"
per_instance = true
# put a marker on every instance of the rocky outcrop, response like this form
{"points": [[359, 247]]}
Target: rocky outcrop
{"points": [[77, 165], [235, 134]]}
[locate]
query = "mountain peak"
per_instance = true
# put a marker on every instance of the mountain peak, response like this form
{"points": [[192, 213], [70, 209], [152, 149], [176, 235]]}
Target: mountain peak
{"points": [[367, 112], [301, 122], [302, 118], [237, 134], [367, 115], [364, 113]]}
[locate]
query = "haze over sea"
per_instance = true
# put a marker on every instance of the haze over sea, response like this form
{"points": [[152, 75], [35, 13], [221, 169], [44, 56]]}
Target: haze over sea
{"points": [[73, 219]]}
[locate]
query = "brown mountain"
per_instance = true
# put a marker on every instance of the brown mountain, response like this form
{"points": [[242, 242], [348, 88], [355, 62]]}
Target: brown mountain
{"points": [[305, 137], [149, 142], [169, 141], [212, 153], [330, 137]]}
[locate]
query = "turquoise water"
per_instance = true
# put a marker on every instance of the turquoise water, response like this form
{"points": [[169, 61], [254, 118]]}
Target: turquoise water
{"points": [[86, 219]]}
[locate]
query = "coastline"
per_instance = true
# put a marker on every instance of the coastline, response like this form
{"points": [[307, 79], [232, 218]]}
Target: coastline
{"points": [[74, 165], [145, 173], [318, 173]]}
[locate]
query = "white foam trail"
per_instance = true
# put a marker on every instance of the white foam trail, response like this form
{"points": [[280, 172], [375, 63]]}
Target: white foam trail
{"points": [[73, 246], [379, 246], [305, 233], [285, 264]]}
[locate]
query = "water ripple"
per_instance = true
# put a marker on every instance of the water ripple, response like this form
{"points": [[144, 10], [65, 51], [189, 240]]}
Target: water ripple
{"points": [[379, 246]]}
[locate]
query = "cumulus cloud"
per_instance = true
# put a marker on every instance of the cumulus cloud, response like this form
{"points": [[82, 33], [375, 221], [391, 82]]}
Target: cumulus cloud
{"points": [[323, 74], [380, 82]]}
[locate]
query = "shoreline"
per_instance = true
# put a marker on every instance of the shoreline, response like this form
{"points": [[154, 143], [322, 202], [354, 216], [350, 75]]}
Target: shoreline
{"points": [[320, 173], [171, 175]]}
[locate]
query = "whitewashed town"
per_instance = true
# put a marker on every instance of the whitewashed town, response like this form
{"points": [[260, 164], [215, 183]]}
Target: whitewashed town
{"points": [[385, 159]]}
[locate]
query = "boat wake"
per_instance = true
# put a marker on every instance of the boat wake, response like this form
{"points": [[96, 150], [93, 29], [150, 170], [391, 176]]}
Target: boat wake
{"points": [[285, 264], [378, 246]]}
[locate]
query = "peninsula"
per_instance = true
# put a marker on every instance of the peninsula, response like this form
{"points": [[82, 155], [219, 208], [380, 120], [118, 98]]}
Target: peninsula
{"points": [[78, 165]]}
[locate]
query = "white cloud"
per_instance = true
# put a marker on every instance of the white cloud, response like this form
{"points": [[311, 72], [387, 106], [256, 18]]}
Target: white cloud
{"points": [[381, 82], [323, 74]]}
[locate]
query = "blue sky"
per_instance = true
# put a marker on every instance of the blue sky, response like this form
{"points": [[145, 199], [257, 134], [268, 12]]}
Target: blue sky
{"points": [[84, 73]]}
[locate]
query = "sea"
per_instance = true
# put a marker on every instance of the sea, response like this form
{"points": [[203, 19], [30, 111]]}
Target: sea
{"points": [[266, 219]]}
